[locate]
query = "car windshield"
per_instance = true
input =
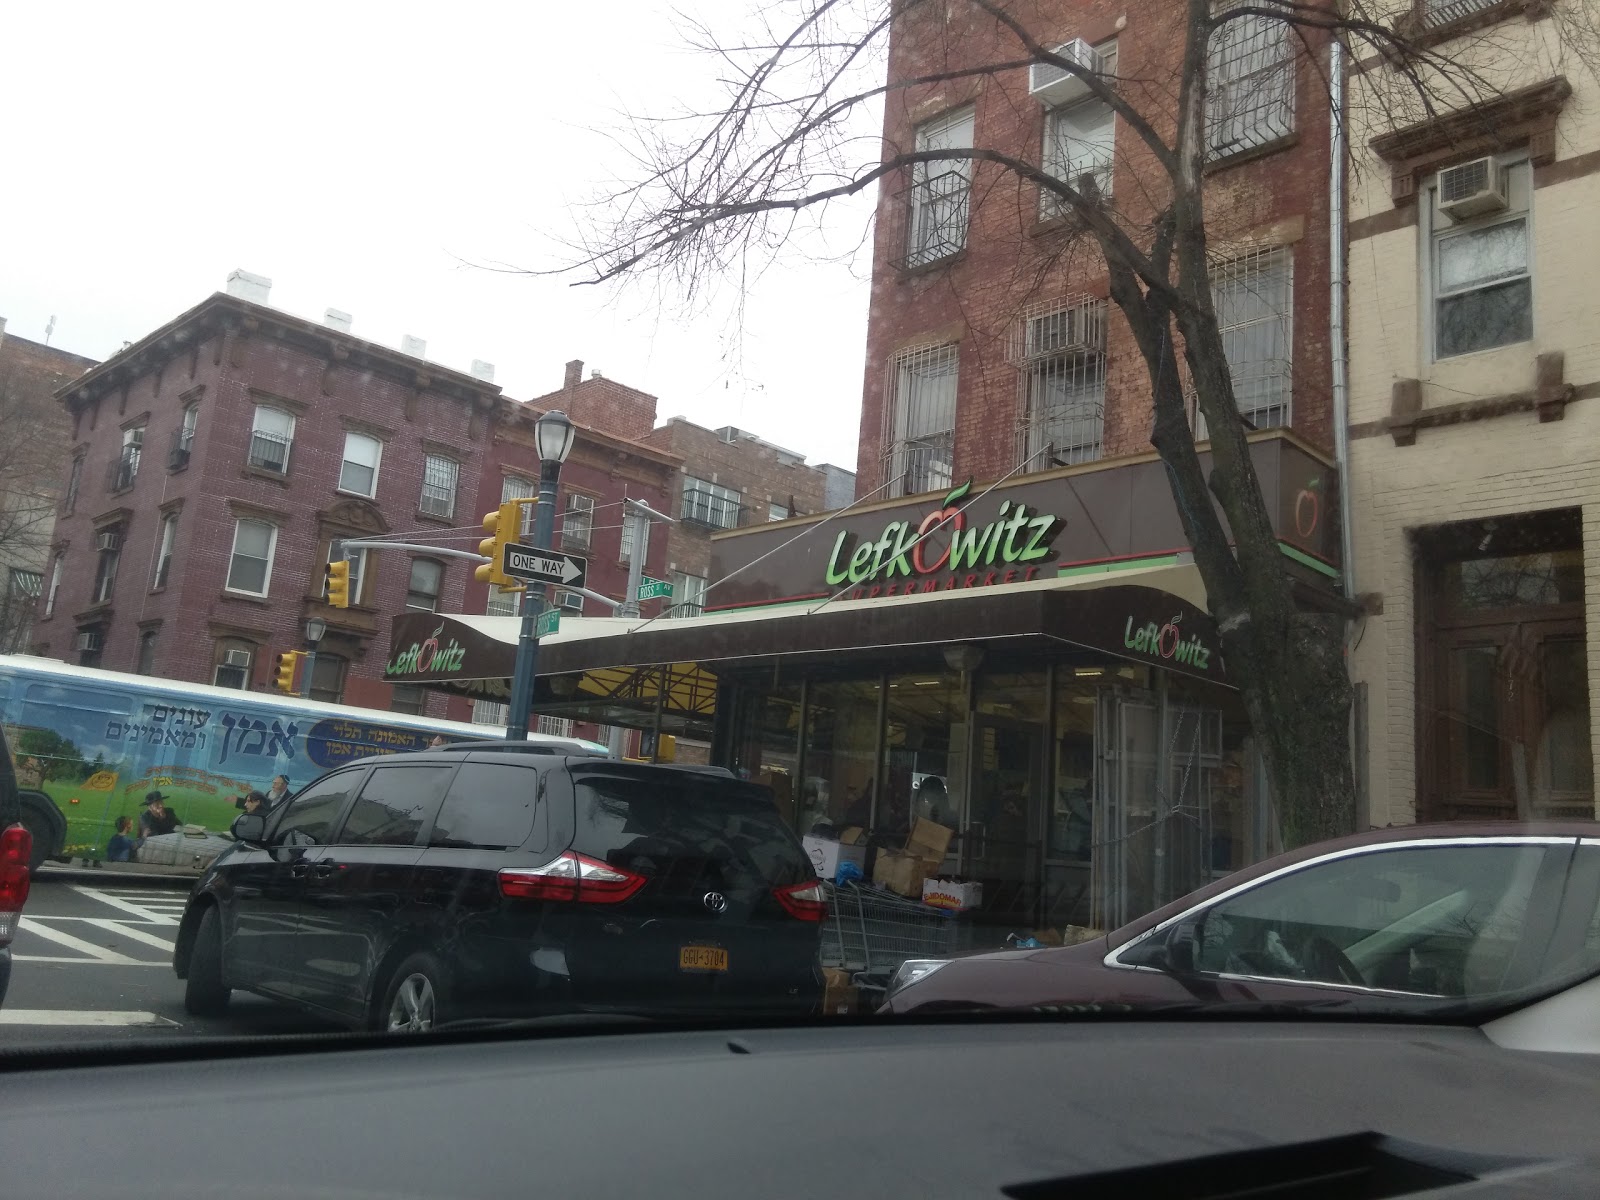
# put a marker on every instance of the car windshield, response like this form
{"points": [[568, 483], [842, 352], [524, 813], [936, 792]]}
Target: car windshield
{"points": [[1010, 507]]}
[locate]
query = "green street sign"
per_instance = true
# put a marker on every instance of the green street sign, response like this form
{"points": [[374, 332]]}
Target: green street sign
{"points": [[650, 589], [549, 621]]}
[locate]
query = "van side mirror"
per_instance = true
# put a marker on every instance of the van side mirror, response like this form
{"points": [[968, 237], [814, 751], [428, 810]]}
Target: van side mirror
{"points": [[250, 828]]}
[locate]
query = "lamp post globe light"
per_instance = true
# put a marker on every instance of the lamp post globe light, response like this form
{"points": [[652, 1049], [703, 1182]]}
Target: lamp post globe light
{"points": [[553, 435], [316, 628]]}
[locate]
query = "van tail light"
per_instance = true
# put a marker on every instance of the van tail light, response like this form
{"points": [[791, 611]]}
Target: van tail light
{"points": [[807, 901], [572, 877], [16, 848]]}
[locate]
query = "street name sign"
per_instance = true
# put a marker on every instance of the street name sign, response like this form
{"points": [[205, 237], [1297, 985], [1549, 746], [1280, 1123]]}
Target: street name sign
{"points": [[548, 622], [650, 589], [543, 566]]}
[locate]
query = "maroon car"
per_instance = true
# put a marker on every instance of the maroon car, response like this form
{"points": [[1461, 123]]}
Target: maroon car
{"points": [[1420, 920]]}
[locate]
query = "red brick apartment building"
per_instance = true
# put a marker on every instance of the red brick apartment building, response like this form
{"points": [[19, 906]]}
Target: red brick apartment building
{"points": [[990, 338], [214, 462]]}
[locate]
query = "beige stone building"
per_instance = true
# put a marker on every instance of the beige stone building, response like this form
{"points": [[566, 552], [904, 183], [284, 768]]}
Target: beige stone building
{"points": [[1474, 394]]}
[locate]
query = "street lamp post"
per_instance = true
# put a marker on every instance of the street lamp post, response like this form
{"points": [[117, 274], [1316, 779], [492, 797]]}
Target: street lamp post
{"points": [[553, 433], [315, 628]]}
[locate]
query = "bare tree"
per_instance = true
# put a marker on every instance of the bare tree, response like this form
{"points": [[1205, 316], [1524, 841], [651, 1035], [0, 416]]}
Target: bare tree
{"points": [[32, 456], [789, 139]]}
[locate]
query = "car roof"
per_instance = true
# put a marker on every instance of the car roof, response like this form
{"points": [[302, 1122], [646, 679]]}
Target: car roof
{"points": [[519, 752], [1440, 831]]}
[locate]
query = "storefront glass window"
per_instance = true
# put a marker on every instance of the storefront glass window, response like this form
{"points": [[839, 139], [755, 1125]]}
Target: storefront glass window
{"points": [[766, 741], [1069, 818], [841, 744], [925, 743], [1001, 839]]}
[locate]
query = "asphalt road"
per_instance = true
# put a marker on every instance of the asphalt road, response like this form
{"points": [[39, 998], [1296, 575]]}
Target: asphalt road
{"points": [[92, 962]]}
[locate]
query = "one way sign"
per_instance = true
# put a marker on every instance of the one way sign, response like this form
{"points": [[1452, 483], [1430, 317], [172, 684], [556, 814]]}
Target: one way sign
{"points": [[544, 566]]}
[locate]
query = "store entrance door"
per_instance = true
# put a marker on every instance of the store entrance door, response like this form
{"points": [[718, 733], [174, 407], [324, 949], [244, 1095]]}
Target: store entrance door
{"points": [[998, 844]]}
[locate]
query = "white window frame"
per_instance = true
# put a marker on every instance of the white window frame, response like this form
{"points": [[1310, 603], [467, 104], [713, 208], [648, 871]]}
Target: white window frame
{"points": [[919, 442], [190, 423], [105, 572], [1438, 228], [1072, 428], [233, 552], [357, 559], [281, 437], [1243, 59], [577, 513], [514, 487], [776, 511], [436, 499], [1068, 154], [411, 582], [1246, 272], [165, 543], [939, 210], [130, 456], [712, 504], [55, 587], [684, 586], [346, 461]]}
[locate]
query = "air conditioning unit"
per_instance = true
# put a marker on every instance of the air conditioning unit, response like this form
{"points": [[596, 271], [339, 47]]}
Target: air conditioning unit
{"points": [[1052, 86], [177, 458], [109, 539], [1079, 329], [236, 658], [89, 639], [1471, 189]]}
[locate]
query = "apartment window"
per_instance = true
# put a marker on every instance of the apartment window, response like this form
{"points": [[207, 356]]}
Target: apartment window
{"points": [[145, 664], [1253, 297], [513, 487], [183, 438], [1442, 12], [490, 712], [503, 602], [108, 543], [1250, 101], [69, 500], [688, 594], [1063, 376], [23, 588], [568, 602], [1481, 270], [358, 474], [422, 593], [625, 554], [250, 566], [232, 665], [358, 572], [408, 698], [920, 446], [577, 522], [55, 587], [1079, 140], [777, 512], [271, 437], [555, 726], [327, 678], [91, 647], [169, 539], [940, 191], [126, 469], [708, 504], [439, 475]]}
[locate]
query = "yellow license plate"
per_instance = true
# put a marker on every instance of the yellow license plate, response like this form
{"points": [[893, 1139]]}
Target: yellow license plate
{"points": [[702, 958]]}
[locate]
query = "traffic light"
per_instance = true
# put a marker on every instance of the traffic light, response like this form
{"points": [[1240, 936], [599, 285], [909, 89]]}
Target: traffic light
{"points": [[288, 665], [503, 525], [338, 583]]}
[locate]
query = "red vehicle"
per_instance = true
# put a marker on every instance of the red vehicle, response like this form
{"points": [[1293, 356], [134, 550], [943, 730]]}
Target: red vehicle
{"points": [[1409, 921]]}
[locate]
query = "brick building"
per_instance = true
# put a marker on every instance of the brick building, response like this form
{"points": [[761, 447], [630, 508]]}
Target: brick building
{"points": [[31, 474], [991, 343], [1475, 424], [213, 463], [730, 479]]}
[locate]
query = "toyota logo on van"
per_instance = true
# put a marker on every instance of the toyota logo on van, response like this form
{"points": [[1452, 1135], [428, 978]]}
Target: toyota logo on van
{"points": [[716, 902]]}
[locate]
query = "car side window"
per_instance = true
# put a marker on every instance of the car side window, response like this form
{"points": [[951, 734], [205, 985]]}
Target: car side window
{"points": [[395, 805], [309, 817], [1439, 920], [490, 806]]}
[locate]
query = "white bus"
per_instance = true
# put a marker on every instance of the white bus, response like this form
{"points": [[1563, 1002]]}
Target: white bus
{"points": [[89, 745]]}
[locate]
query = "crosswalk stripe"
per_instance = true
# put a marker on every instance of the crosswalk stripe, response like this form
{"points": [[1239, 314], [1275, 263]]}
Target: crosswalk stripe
{"points": [[96, 953], [85, 962], [137, 910], [57, 1016], [128, 929]]}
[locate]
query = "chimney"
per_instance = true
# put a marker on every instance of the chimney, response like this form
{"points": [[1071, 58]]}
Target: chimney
{"points": [[254, 288], [334, 319], [482, 370], [413, 346], [574, 374]]}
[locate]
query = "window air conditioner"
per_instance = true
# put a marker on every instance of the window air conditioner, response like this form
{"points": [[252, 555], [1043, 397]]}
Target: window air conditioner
{"points": [[1052, 87], [109, 539], [89, 640], [236, 658], [1472, 189], [1076, 330]]}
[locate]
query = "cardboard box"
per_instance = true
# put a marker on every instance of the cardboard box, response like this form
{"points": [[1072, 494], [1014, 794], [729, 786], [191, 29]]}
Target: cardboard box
{"points": [[840, 997], [827, 854], [905, 871], [955, 894]]}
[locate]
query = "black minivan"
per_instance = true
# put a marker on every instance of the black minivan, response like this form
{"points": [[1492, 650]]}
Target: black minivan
{"points": [[411, 891]]}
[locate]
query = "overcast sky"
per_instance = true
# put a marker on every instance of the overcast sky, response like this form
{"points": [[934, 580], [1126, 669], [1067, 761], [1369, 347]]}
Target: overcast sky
{"points": [[355, 153]]}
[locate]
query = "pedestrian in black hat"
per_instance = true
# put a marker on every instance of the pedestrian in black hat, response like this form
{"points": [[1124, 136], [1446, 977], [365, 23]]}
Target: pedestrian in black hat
{"points": [[156, 818]]}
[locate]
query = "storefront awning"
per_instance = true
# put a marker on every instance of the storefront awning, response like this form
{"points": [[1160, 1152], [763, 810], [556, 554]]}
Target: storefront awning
{"points": [[1153, 616]]}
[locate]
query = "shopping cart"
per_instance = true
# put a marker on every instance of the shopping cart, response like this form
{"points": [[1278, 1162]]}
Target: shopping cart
{"points": [[870, 932]]}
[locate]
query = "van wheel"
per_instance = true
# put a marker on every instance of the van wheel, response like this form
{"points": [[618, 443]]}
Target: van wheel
{"points": [[204, 994], [415, 998]]}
